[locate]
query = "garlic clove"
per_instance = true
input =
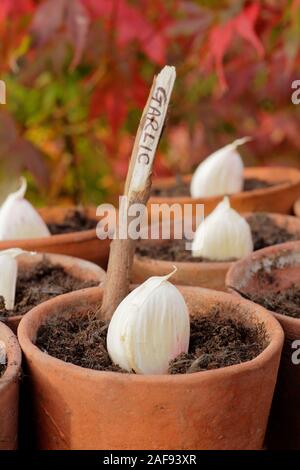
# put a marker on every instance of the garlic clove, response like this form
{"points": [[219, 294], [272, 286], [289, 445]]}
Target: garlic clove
{"points": [[150, 327], [19, 219], [2, 352], [221, 173], [223, 235], [9, 274]]}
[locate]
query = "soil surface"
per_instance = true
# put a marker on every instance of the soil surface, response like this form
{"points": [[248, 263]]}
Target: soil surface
{"points": [[286, 302], [80, 340], [218, 342], [39, 284], [215, 343], [75, 221], [2, 369], [169, 250], [265, 232], [183, 188]]}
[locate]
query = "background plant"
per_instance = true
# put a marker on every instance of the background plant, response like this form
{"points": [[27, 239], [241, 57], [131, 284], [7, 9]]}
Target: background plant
{"points": [[78, 73]]}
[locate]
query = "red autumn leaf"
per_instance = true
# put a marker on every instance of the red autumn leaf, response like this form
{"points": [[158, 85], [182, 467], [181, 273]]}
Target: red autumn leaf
{"points": [[98, 8], [4, 10], [155, 47], [51, 16], [33, 160], [47, 20], [20, 152], [221, 37], [78, 23], [110, 101], [245, 26], [219, 41], [15, 8], [140, 90], [130, 25]]}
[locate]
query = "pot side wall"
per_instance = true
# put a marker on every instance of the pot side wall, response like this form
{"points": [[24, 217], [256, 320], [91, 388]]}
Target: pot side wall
{"points": [[76, 408]]}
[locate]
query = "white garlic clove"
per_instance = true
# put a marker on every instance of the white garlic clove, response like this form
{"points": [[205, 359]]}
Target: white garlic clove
{"points": [[223, 235], [19, 219], [2, 352], [9, 274], [221, 173], [149, 328]]}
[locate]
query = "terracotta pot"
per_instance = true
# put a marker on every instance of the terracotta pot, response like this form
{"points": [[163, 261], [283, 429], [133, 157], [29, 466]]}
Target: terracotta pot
{"points": [[79, 268], [77, 408], [84, 244], [284, 429], [279, 198], [9, 391], [206, 274], [297, 208]]}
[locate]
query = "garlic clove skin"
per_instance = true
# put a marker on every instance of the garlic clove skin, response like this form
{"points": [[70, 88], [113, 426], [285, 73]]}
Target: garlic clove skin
{"points": [[9, 274], [223, 235], [19, 219], [221, 173], [2, 353], [150, 327]]}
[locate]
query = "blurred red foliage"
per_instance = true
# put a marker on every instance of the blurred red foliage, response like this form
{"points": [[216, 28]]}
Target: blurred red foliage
{"points": [[235, 64]]}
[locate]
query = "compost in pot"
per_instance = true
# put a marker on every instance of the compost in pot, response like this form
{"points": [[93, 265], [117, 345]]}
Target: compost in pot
{"points": [[182, 188], [284, 301], [215, 342], [40, 283], [76, 220], [264, 229]]}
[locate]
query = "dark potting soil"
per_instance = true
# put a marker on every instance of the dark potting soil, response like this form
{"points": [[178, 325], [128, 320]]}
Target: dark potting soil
{"points": [[2, 369], [39, 284], [182, 188], [75, 221], [215, 342], [286, 302], [170, 250], [265, 232]]}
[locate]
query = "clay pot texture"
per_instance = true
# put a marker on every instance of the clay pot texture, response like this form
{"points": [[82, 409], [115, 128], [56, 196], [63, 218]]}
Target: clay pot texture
{"points": [[84, 244], [284, 428], [77, 408], [278, 198], [205, 274], [79, 268], [297, 208], [9, 391]]}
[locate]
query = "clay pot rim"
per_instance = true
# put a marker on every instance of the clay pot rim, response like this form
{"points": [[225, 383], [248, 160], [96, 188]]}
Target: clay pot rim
{"points": [[80, 236], [240, 195], [287, 247], [14, 356], [56, 258], [212, 265], [62, 238], [51, 306], [296, 208], [166, 264]]}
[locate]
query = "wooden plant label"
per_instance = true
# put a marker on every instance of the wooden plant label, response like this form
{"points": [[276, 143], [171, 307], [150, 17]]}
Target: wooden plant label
{"points": [[150, 130], [137, 189]]}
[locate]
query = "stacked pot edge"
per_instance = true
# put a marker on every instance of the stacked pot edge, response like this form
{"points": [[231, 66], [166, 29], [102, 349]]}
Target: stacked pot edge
{"points": [[9, 391], [79, 268], [284, 425]]}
